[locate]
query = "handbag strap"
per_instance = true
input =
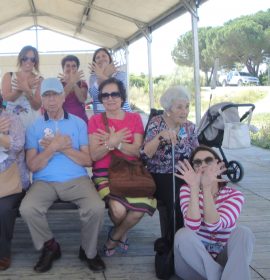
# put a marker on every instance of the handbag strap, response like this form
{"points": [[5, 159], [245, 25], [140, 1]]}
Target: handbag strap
{"points": [[105, 121]]}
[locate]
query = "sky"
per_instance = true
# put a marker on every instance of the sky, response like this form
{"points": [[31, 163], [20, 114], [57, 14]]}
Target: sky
{"points": [[211, 13]]}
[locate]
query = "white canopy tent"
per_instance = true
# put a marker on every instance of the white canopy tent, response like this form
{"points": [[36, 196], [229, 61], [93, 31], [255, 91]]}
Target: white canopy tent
{"points": [[113, 24]]}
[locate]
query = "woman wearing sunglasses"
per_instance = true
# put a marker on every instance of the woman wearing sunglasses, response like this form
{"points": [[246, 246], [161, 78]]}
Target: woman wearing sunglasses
{"points": [[101, 68], [123, 137], [21, 89], [210, 246]]}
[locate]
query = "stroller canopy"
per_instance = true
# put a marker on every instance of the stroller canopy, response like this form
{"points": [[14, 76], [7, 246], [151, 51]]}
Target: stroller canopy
{"points": [[213, 120]]}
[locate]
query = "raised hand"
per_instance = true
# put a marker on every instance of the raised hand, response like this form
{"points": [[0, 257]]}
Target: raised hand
{"points": [[34, 82], [110, 69], [210, 174], [188, 174], [97, 69]]}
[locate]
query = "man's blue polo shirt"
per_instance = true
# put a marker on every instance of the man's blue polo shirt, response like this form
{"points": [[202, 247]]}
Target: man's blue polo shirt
{"points": [[60, 168]]}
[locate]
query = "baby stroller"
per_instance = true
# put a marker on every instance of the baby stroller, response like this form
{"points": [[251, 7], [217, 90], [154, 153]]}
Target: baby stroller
{"points": [[211, 131]]}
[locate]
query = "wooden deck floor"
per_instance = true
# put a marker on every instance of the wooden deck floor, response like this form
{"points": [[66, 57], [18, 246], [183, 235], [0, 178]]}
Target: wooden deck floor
{"points": [[139, 262]]}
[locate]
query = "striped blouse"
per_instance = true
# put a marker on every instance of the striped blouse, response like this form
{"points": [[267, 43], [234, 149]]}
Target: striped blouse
{"points": [[228, 204], [93, 91]]}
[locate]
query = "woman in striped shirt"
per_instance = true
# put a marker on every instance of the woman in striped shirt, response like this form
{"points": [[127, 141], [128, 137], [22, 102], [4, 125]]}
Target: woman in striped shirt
{"points": [[210, 246], [103, 68]]}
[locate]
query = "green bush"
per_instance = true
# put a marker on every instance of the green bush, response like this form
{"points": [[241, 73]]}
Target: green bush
{"points": [[262, 137]]}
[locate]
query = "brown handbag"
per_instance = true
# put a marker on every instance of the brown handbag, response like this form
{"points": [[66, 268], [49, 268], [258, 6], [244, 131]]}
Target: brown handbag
{"points": [[129, 178], [10, 181]]}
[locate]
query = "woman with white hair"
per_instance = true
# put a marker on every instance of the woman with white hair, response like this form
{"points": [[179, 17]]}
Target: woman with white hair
{"points": [[170, 128]]}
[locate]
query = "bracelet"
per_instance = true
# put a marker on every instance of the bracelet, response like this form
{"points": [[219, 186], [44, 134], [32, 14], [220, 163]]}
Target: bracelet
{"points": [[108, 147], [120, 145]]}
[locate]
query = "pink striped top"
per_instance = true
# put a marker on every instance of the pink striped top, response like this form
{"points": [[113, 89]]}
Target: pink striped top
{"points": [[228, 204]]}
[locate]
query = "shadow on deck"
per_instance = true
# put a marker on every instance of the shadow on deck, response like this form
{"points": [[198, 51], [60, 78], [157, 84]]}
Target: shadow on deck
{"points": [[139, 262]]}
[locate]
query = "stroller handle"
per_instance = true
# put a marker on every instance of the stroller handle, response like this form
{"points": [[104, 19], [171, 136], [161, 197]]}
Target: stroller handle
{"points": [[238, 105], [252, 107]]}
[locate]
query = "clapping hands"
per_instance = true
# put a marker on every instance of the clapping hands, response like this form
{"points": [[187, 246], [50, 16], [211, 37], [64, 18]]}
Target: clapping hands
{"points": [[103, 70], [72, 77]]}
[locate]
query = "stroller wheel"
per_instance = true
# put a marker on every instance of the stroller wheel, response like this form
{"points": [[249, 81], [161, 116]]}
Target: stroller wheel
{"points": [[235, 171]]}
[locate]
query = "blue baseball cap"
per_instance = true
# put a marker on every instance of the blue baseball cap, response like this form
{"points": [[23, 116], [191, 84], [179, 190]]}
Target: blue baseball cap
{"points": [[51, 84]]}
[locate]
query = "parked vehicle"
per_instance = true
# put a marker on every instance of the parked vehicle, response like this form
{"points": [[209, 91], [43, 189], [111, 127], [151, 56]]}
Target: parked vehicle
{"points": [[236, 78]]}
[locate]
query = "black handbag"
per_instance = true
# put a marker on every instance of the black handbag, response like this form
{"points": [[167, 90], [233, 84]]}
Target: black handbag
{"points": [[164, 258]]}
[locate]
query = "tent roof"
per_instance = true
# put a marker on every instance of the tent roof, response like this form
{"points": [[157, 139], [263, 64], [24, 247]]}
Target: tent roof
{"points": [[106, 23]]}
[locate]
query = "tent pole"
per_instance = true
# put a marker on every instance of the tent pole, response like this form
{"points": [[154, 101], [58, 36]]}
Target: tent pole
{"points": [[192, 8], [150, 76], [196, 66]]}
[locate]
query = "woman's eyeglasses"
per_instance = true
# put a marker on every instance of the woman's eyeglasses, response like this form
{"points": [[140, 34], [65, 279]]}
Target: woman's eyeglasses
{"points": [[27, 58], [113, 95], [198, 162]]}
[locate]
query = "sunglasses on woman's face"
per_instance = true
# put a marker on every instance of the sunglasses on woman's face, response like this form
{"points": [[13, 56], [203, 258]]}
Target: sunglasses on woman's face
{"points": [[198, 162], [113, 95], [27, 58]]}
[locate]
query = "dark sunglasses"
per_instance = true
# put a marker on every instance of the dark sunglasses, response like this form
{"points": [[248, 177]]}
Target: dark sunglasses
{"points": [[199, 162], [26, 58], [113, 95]]}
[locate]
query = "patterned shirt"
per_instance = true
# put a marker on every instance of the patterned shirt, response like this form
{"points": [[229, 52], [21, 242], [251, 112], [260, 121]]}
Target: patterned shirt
{"points": [[228, 204], [16, 149], [93, 91], [161, 161]]}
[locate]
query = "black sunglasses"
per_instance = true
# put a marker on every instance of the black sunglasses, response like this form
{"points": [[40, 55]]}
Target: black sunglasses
{"points": [[113, 95], [26, 58], [199, 162]]}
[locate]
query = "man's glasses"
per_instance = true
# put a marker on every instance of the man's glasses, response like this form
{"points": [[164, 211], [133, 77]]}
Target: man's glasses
{"points": [[198, 162], [113, 95], [27, 58]]}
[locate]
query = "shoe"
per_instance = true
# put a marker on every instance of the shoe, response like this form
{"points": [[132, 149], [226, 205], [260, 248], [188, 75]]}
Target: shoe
{"points": [[46, 259], [95, 264], [5, 263]]}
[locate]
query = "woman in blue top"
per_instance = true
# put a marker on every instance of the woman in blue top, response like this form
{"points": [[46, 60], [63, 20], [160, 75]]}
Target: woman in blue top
{"points": [[102, 68]]}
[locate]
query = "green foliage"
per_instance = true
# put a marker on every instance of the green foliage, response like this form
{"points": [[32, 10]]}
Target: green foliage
{"points": [[243, 41], [137, 81], [262, 137], [139, 95]]}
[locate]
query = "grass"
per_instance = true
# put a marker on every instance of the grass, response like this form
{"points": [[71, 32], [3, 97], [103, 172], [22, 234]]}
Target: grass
{"points": [[262, 137]]}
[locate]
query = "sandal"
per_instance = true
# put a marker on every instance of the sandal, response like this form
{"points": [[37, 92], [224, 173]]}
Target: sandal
{"points": [[108, 252], [5, 263], [124, 245]]}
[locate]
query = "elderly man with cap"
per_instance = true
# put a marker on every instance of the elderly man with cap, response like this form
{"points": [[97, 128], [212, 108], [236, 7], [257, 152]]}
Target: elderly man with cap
{"points": [[57, 154]]}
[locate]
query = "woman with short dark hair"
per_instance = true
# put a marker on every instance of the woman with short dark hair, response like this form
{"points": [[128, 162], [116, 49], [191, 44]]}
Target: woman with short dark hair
{"points": [[74, 86], [123, 137]]}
